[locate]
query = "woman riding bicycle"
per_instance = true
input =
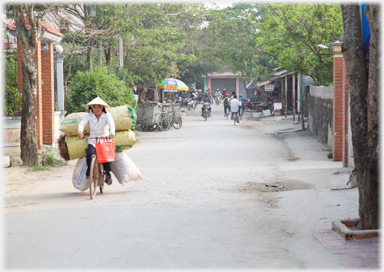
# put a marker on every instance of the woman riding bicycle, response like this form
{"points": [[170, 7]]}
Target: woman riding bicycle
{"points": [[101, 124]]}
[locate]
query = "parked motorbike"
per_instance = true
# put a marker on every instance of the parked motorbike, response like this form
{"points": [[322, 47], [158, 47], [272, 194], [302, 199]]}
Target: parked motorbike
{"points": [[250, 104], [206, 113], [191, 104], [290, 110], [271, 107]]}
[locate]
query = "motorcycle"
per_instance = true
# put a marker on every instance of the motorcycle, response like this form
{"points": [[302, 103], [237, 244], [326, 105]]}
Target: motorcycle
{"points": [[206, 113], [191, 104], [271, 107], [251, 104], [235, 118], [217, 100], [184, 102]]}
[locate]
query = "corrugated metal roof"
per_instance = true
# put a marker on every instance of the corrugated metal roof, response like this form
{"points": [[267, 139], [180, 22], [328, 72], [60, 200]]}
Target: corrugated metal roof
{"points": [[263, 83], [280, 73]]}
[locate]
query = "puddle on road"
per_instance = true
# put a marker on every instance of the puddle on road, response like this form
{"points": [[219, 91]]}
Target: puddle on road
{"points": [[286, 185]]}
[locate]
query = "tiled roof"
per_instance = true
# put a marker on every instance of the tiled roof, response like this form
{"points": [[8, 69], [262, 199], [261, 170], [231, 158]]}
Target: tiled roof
{"points": [[44, 26]]}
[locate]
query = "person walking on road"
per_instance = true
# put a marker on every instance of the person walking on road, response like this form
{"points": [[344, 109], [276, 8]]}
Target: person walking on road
{"points": [[235, 104], [242, 100]]}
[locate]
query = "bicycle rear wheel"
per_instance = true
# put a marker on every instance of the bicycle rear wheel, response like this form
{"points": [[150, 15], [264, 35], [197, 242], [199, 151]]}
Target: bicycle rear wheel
{"points": [[94, 176]]}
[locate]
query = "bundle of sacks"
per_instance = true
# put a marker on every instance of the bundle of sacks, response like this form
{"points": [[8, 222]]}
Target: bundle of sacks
{"points": [[71, 148]]}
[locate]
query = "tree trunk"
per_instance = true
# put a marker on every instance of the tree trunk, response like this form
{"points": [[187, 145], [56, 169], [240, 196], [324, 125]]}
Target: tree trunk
{"points": [[371, 171], [353, 53], [28, 44], [28, 133], [99, 52], [107, 54]]}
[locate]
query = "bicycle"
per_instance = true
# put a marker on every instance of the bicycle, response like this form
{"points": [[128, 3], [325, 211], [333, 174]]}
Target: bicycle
{"points": [[96, 173], [174, 121]]}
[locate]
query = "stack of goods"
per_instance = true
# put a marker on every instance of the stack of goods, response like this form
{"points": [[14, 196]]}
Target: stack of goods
{"points": [[71, 148]]}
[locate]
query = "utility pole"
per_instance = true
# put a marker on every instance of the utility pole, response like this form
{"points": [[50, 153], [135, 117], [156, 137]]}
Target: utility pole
{"points": [[293, 96], [299, 96], [120, 52], [286, 95], [302, 104]]}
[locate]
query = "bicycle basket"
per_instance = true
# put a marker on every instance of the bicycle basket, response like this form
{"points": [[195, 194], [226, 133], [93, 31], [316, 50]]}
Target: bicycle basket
{"points": [[105, 150]]}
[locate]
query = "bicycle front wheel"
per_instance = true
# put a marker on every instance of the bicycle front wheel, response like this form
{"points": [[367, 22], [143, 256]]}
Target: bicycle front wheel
{"points": [[178, 123], [94, 176], [165, 125]]}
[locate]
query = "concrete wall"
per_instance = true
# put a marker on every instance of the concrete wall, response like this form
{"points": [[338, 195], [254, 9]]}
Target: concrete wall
{"points": [[320, 118]]}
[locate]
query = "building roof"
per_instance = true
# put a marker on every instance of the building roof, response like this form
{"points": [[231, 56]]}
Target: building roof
{"points": [[263, 83], [44, 26], [278, 74]]}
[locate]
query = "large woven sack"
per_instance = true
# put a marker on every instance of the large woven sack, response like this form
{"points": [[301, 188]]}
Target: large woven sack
{"points": [[71, 122], [79, 180], [124, 169], [76, 148], [124, 140], [124, 117]]}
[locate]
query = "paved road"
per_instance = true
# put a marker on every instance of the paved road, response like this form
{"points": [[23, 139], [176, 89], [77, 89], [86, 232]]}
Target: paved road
{"points": [[207, 201]]}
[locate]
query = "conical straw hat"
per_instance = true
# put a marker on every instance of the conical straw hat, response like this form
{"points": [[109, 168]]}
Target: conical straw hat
{"points": [[98, 101]]}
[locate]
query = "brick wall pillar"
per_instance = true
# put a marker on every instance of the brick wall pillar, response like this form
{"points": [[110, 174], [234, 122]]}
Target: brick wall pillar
{"points": [[38, 97], [48, 94], [338, 63]]}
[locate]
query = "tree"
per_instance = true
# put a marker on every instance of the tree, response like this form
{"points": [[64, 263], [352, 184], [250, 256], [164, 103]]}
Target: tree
{"points": [[12, 96], [364, 106], [90, 84], [28, 45], [233, 39], [293, 31]]}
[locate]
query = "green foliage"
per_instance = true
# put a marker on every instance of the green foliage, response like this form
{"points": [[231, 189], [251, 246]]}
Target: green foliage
{"points": [[293, 31], [39, 168], [88, 85], [49, 158], [153, 54], [233, 34], [190, 40], [12, 97]]}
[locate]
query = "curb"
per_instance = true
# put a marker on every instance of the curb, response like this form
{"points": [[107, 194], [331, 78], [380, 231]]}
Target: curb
{"points": [[342, 228]]}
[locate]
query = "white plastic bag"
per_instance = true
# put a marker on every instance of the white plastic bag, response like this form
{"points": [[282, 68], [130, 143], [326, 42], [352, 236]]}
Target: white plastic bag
{"points": [[124, 169], [78, 178]]}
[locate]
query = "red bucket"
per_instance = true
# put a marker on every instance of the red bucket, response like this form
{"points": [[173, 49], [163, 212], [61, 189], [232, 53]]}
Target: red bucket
{"points": [[105, 150]]}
